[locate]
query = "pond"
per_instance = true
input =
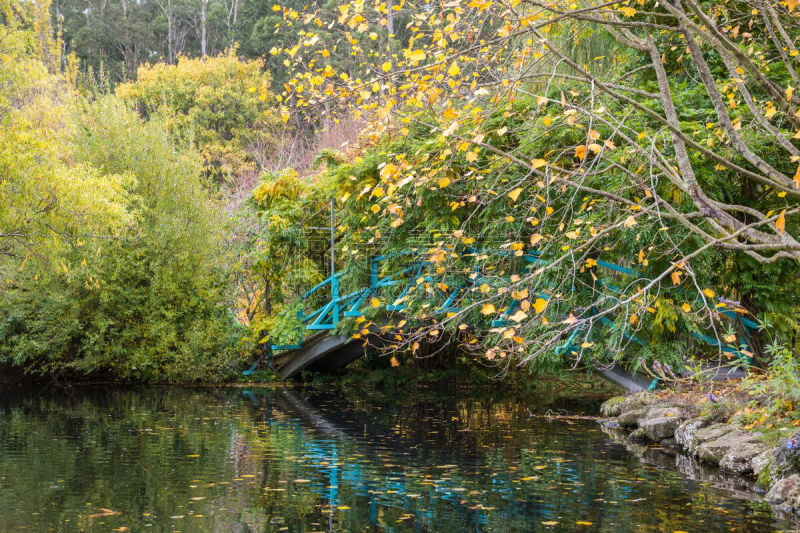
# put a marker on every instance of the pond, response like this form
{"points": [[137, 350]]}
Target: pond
{"points": [[302, 460]]}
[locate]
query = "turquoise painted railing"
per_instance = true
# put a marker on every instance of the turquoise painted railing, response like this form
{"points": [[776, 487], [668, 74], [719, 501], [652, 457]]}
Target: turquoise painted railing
{"points": [[336, 306]]}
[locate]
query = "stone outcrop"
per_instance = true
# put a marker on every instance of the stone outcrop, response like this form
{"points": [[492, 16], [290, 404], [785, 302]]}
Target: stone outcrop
{"points": [[785, 494], [723, 444]]}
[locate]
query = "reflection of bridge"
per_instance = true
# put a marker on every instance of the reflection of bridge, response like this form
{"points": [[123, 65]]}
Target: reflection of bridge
{"points": [[419, 279], [403, 485]]}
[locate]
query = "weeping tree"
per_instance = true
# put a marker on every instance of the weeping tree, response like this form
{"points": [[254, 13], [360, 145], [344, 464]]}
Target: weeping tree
{"points": [[594, 179]]}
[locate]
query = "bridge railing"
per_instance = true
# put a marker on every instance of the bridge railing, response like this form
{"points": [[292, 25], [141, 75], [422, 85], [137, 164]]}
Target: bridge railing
{"points": [[397, 288]]}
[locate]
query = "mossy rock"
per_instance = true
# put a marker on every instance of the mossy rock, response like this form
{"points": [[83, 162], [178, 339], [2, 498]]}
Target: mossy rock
{"points": [[611, 406], [622, 404]]}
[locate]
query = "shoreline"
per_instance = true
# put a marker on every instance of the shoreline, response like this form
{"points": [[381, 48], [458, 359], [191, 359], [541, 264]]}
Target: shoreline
{"points": [[695, 433]]}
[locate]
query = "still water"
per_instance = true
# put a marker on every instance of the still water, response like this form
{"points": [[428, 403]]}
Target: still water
{"points": [[305, 460]]}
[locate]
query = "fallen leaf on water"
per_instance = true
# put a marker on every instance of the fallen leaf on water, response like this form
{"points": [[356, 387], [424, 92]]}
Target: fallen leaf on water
{"points": [[103, 512], [583, 523], [550, 523]]}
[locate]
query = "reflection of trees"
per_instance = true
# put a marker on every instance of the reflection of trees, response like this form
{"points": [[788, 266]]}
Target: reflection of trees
{"points": [[121, 450], [278, 461]]}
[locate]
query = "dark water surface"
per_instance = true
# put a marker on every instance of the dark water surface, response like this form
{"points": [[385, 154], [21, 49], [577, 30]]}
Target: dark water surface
{"points": [[303, 460]]}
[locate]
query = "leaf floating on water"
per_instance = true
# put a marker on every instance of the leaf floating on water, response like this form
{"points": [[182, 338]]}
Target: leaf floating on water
{"points": [[583, 523], [193, 455], [342, 507], [302, 481], [103, 512], [550, 523], [197, 498]]}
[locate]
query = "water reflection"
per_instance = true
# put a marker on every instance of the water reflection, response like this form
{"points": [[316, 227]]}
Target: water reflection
{"points": [[264, 460]]}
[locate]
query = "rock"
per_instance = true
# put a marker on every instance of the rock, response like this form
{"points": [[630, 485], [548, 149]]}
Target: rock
{"points": [[637, 435], [684, 434], [612, 406], [705, 434], [739, 458], [713, 450], [631, 418], [761, 461], [670, 443], [657, 429], [664, 412], [785, 493], [621, 404], [609, 423]]}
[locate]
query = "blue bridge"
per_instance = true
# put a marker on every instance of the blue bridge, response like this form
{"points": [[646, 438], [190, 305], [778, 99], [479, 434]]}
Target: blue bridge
{"points": [[320, 348]]}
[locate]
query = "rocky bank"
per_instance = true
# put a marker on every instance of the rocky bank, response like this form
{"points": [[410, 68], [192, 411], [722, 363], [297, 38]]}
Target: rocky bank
{"points": [[647, 417]]}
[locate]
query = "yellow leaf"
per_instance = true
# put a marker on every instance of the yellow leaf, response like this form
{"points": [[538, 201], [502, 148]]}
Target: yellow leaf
{"points": [[539, 305], [374, 302], [471, 156], [549, 523], [686, 308], [708, 292], [394, 361], [519, 295], [634, 319], [580, 152], [627, 11], [535, 238], [488, 309], [454, 70], [583, 522], [444, 182], [676, 277], [591, 263], [780, 223], [414, 55], [515, 194], [519, 316], [387, 66], [484, 288], [396, 223], [537, 163], [375, 208], [587, 345], [450, 113], [629, 222]]}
